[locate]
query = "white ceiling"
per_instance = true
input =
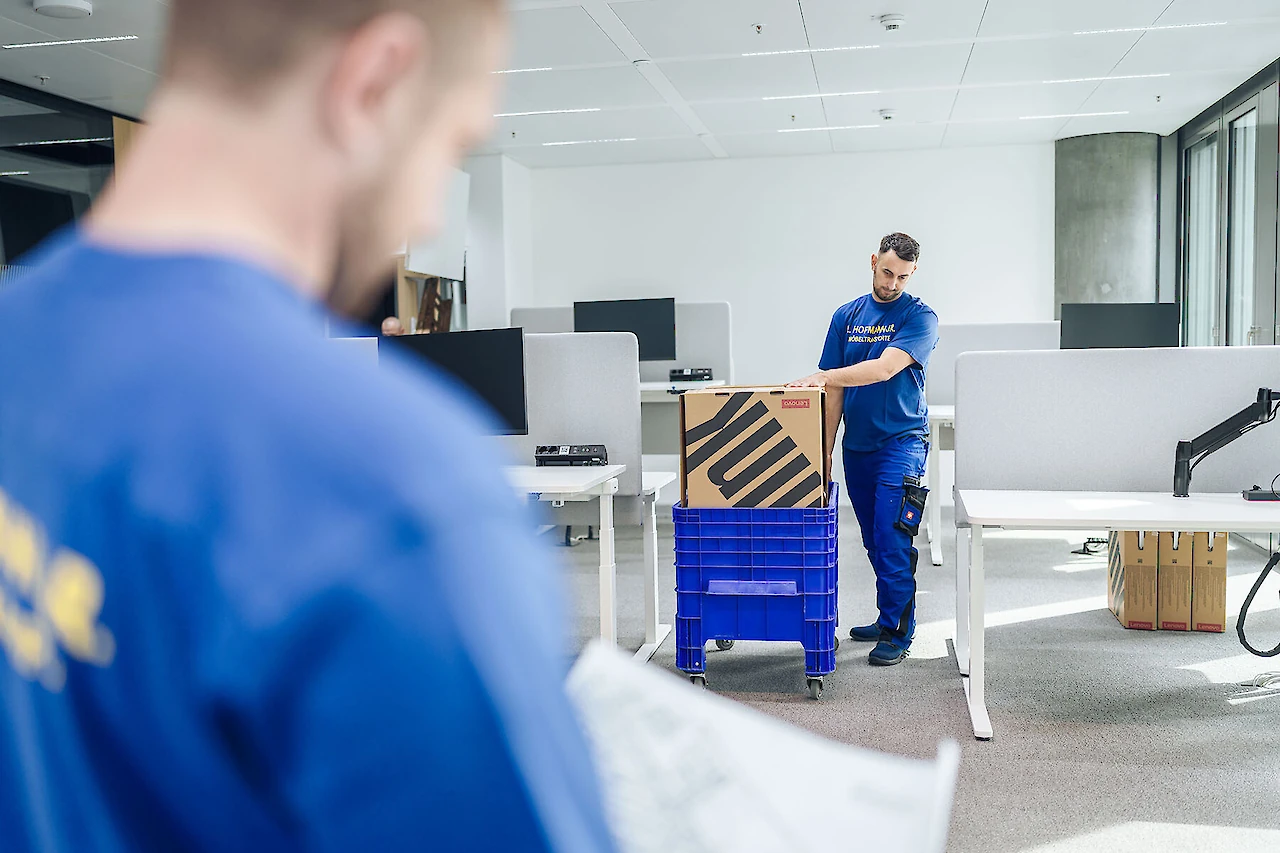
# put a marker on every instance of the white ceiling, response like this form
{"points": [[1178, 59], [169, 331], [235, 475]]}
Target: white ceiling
{"points": [[669, 76]]}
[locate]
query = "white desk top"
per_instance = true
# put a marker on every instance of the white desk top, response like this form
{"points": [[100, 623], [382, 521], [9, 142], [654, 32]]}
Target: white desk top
{"points": [[942, 414], [1220, 513], [682, 386], [560, 479], [652, 481]]}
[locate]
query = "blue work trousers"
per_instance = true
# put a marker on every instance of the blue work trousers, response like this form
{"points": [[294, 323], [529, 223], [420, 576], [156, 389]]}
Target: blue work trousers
{"points": [[874, 482]]}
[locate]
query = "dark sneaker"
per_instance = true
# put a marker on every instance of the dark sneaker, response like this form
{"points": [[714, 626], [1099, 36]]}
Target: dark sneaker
{"points": [[886, 654], [865, 633]]}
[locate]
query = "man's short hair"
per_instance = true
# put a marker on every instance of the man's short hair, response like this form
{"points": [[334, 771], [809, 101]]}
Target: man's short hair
{"points": [[901, 245], [247, 43]]}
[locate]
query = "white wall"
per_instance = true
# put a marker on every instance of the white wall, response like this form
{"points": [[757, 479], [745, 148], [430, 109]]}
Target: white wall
{"points": [[499, 255], [787, 240]]}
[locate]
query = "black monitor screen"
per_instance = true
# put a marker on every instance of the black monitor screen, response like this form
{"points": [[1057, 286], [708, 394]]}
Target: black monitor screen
{"points": [[653, 321], [489, 362], [1121, 325]]}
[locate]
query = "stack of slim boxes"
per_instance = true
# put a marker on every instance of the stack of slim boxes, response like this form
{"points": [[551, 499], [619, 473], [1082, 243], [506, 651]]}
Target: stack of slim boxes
{"points": [[1168, 581]]}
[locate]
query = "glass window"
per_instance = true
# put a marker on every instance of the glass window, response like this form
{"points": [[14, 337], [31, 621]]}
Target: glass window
{"points": [[1200, 296], [1241, 225]]}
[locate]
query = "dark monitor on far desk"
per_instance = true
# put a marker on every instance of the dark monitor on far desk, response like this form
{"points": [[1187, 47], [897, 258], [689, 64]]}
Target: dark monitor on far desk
{"points": [[490, 362], [1120, 325], [652, 321]]}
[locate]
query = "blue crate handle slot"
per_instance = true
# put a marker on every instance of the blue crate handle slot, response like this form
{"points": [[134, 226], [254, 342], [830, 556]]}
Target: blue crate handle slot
{"points": [[729, 587]]}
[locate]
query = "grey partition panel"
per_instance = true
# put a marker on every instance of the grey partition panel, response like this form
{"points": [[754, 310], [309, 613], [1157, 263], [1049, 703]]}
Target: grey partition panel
{"points": [[1109, 420], [957, 338], [704, 336], [584, 389], [542, 321], [358, 349]]}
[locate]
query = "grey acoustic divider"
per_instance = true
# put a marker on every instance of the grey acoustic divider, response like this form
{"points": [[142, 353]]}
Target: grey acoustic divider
{"points": [[585, 389], [1109, 420], [358, 349], [957, 338], [704, 336]]}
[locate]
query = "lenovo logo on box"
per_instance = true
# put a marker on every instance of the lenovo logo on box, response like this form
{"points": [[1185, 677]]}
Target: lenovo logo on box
{"points": [[795, 404]]}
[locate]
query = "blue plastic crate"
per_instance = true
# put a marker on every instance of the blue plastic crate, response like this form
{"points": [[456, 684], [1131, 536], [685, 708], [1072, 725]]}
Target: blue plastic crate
{"points": [[757, 574]]}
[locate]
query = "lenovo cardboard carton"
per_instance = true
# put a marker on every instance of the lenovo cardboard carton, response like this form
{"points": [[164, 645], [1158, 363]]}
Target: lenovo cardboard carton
{"points": [[1174, 593], [753, 447], [1209, 583], [1131, 578]]}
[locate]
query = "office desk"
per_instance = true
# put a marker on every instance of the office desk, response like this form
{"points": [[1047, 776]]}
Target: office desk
{"points": [[661, 392], [655, 633], [976, 510], [562, 484], [939, 417]]}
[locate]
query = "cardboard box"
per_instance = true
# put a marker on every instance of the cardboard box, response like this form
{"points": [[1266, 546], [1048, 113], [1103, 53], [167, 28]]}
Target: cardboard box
{"points": [[1132, 569], [1209, 583], [1174, 592], [753, 447]]}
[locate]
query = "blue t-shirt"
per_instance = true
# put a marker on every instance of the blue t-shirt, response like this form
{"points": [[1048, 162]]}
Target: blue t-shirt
{"points": [[860, 331], [257, 595]]}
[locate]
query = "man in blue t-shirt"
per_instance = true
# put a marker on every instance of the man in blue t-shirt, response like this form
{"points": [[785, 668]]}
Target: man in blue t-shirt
{"points": [[255, 594], [877, 352]]}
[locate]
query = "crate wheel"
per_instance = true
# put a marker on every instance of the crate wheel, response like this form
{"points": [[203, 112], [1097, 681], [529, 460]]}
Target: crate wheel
{"points": [[724, 645], [815, 688], [698, 681], [837, 644]]}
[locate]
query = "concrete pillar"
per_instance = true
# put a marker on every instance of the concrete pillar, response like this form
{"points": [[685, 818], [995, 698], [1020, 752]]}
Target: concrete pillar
{"points": [[1106, 218]]}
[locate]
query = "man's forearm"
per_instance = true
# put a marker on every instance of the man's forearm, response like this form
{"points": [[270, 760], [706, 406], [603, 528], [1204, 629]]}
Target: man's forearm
{"points": [[857, 375], [835, 411]]}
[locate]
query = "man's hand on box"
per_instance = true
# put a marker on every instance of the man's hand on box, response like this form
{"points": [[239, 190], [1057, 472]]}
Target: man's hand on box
{"points": [[815, 380]]}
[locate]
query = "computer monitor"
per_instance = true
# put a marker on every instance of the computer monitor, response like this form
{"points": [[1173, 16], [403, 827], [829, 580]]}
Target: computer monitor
{"points": [[490, 362], [1120, 325], [652, 321]]}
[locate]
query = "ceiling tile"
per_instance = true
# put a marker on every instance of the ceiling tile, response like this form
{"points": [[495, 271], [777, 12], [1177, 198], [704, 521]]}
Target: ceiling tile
{"points": [[1201, 11], [908, 107], [888, 138], [760, 116], [966, 135], [607, 124], [891, 67], [1034, 60], [116, 18], [839, 23], [645, 151], [776, 144], [1026, 17], [1181, 97], [1247, 46], [749, 77], [667, 28], [554, 37], [1010, 102], [76, 73], [582, 88]]}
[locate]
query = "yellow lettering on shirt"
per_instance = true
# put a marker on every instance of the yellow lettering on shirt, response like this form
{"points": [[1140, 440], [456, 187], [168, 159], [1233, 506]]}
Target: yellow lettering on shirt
{"points": [[72, 601], [20, 556]]}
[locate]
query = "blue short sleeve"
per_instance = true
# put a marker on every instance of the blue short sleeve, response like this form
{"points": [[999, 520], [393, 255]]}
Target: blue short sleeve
{"points": [[833, 349], [918, 336]]}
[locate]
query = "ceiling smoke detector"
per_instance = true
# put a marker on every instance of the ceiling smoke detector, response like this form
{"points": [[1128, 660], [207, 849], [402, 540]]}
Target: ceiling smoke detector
{"points": [[887, 115], [892, 23], [64, 8]]}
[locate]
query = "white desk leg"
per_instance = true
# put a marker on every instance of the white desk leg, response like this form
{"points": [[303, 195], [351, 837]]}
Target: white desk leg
{"points": [[933, 514], [975, 684], [962, 599], [655, 633], [608, 573]]}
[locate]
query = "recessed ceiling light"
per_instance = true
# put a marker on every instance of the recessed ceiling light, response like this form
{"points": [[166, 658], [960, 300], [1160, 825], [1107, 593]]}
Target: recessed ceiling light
{"points": [[590, 141], [1151, 29], [813, 50], [13, 174], [820, 95], [522, 70], [60, 142], [546, 112], [68, 41], [842, 127], [1075, 115], [1099, 79]]}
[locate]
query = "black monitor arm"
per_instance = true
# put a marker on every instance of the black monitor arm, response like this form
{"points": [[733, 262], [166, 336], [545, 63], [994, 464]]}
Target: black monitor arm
{"points": [[1189, 453]]}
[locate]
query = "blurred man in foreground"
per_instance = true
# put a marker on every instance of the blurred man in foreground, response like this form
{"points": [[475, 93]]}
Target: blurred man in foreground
{"points": [[246, 604]]}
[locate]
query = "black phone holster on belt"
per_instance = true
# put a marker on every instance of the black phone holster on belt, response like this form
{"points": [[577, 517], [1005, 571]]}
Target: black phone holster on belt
{"points": [[911, 515]]}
